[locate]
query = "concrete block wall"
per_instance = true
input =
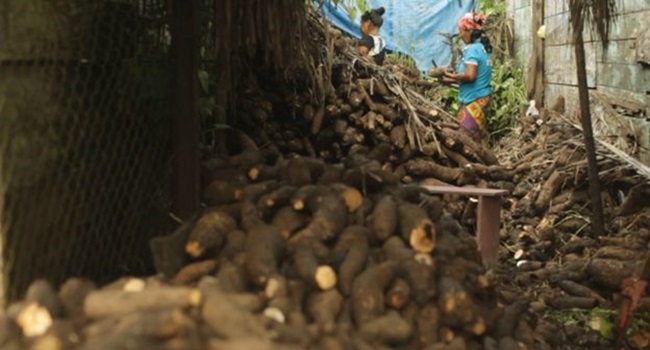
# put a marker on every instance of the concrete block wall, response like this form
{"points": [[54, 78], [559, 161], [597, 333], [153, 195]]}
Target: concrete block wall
{"points": [[522, 12], [612, 70]]}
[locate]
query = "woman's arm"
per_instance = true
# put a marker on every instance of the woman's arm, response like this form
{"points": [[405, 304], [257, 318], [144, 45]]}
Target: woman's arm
{"points": [[365, 45], [467, 76], [363, 50]]}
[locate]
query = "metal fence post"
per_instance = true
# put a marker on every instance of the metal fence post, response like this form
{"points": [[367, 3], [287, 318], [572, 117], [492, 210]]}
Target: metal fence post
{"points": [[184, 26]]}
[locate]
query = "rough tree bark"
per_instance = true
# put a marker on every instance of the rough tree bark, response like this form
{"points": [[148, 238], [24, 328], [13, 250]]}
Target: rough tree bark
{"points": [[597, 222]]}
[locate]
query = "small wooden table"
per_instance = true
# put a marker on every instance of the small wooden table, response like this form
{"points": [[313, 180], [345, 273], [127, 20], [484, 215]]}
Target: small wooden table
{"points": [[489, 217]]}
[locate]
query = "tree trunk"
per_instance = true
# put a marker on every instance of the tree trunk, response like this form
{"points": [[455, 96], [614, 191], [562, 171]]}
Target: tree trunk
{"points": [[597, 222]]}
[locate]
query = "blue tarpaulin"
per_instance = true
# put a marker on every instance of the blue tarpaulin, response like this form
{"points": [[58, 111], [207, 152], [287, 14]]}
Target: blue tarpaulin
{"points": [[411, 27]]}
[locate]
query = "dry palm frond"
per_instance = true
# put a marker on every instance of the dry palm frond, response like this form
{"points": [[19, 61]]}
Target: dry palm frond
{"points": [[247, 31], [613, 151], [600, 13]]}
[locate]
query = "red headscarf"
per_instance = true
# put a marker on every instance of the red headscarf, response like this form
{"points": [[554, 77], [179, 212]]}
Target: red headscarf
{"points": [[472, 20]]}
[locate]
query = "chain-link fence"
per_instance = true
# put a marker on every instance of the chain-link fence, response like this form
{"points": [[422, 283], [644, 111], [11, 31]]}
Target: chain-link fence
{"points": [[85, 139]]}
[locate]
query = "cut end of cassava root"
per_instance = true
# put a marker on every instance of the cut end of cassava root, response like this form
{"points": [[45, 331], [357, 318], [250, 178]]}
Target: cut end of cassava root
{"points": [[423, 237], [194, 249], [325, 277]]}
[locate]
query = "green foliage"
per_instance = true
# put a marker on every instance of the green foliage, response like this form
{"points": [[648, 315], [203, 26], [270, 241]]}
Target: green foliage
{"points": [[208, 109], [508, 97], [493, 7], [401, 59], [207, 103], [597, 319], [353, 7]]}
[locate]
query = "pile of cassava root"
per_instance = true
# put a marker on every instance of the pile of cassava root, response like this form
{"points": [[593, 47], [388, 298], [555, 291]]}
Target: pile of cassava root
{"points": [[315, 235], [296, 254], [360, 106]]}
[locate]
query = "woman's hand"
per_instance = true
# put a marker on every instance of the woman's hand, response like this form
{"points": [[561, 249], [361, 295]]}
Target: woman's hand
{"points": [[363, 50], [450, 77], [467, 76]]}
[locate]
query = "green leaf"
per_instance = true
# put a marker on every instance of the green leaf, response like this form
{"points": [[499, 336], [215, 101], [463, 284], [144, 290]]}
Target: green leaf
{"points": [[204, 80], [352, 12], [362, 5]]}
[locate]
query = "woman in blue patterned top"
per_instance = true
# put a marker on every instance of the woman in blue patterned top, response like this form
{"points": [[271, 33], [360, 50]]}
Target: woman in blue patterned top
{"points": [[474, 75]]}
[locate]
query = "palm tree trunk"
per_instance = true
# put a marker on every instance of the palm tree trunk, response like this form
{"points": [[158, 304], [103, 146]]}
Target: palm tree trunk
{"points": [[597, 221]]}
